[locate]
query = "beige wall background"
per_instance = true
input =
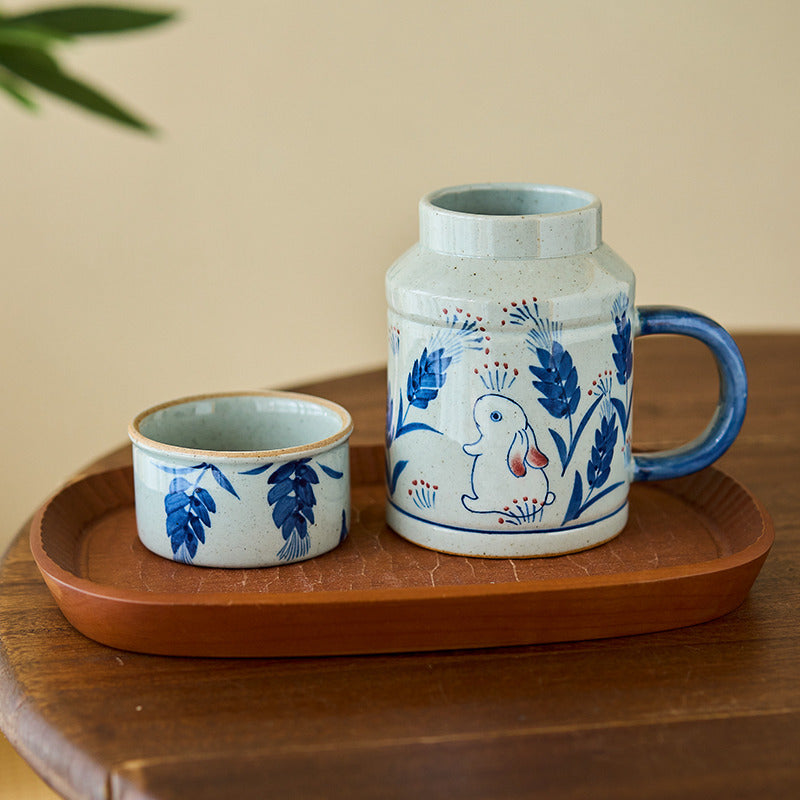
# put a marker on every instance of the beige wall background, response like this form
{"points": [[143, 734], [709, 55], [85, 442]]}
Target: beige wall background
{"points": [[246, 245]]}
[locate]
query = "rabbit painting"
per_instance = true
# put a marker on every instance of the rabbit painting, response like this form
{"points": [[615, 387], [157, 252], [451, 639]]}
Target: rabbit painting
{"points": [[508, 477]]}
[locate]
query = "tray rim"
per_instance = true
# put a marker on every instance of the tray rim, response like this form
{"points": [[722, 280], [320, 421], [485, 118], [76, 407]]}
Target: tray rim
{"points": [[57, 576]]}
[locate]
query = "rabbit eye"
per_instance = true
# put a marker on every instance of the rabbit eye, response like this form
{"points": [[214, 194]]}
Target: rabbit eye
{"points": [[495, 416]]}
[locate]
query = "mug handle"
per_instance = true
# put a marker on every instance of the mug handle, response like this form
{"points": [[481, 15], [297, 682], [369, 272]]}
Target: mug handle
{"points": [[731, 406]]}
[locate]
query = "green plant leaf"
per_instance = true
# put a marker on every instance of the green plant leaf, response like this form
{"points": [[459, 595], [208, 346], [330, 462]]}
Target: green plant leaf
{"points": [[29, 35], [13, 87], [41, 69], [83, 20]]}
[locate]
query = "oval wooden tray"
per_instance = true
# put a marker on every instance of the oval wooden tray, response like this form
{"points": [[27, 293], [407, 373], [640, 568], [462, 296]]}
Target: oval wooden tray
{"points": [[690, 553]]}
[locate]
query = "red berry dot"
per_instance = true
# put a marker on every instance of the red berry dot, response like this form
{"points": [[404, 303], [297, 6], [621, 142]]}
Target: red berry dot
{"points": [[505, 508], [513, 305], [500, 520], [524, 499], [444, 311], [535, 300], [427, 485], [486, 351], [435, 488], [505, 309], [535, 501], [594, 383], [488, 338], [410, 492], [476, 370], [459, 310], [590, 391], [497, 363], [516, 371], [502, 322], [486, 366], [505, 366], [413, 483], [482, 330], [515, 501]]}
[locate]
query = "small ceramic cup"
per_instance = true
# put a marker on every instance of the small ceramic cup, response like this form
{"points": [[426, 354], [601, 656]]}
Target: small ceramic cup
{"points": [[248, 479]]}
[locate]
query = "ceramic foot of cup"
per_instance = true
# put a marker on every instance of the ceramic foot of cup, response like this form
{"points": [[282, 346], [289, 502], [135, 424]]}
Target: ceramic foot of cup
{"points": [[490, 544]]}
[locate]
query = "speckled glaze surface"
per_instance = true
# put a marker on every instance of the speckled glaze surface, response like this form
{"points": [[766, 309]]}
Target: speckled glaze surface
{"points": [[511, 328], [248, 479]]}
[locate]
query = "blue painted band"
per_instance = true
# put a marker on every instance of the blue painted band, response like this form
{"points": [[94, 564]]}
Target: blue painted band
{"points": [[729, 415], [509, 531]]}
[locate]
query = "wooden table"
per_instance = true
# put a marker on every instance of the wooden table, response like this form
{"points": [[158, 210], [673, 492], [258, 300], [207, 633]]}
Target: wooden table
{"points": [[711, 711]]}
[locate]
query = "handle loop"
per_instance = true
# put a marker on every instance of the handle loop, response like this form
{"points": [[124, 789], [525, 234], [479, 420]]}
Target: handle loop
{"points": [[731, 407]]}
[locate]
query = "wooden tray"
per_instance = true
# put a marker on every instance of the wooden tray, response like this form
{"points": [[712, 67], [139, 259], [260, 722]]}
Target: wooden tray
{"points": [[690, 553]]}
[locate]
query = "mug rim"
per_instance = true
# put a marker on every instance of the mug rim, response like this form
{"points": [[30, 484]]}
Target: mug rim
{"points": [[589, 199], [139, 439]]}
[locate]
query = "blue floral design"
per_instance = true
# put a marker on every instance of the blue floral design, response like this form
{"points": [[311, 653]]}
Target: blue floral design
{"points": [[598, 468], [424, 382], [622, 355], [622, 340], [292, 499], [555, 378], [426, 378], [557, 381], [189, 507]]}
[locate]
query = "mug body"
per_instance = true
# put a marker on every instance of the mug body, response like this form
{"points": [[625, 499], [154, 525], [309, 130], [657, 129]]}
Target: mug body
{"points": [[509, 375], [249, 479]]}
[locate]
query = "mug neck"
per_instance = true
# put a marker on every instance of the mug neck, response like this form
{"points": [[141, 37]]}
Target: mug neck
{"points": [[510, 220]]}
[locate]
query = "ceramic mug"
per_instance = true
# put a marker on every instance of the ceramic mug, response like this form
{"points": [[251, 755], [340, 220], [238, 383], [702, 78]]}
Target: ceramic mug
{"points": [[510, 377], [247, 479]]}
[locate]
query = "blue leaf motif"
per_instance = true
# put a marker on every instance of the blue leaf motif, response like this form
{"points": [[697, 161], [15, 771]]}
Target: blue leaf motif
{"points": [[574, 507], [416, 426], [599, 466], [188, 507], [292, 498], [177, 521], [598, 470], [172, 502], [305, 473], [200, 510], [395, 474], [278, 491], [257, 470], [561, 445], [427, 376], [198, 530], [619, 406], [284, 472], [220, 478], [556, 380], [206, 499], [178, 485], [284, 508], [623, 350]]}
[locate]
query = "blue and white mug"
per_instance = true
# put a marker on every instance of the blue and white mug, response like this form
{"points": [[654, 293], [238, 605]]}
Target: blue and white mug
{"points": [[510, 377]]}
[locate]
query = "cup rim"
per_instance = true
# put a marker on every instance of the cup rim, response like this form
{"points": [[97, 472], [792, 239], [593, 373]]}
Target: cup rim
{"points": [[152, 445]]}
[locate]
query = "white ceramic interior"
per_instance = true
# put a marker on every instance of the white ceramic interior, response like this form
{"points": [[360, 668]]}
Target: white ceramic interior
{"points": [[242, 423]]}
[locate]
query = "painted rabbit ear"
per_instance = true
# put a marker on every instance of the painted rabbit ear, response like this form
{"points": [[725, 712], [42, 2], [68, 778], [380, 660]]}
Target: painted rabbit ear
{"points": [[535, 457], [517, 453]]}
